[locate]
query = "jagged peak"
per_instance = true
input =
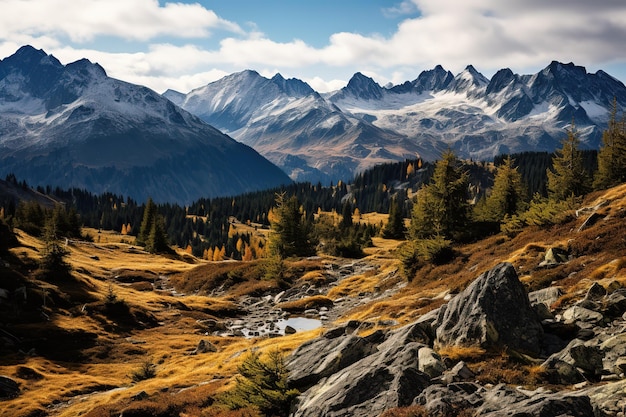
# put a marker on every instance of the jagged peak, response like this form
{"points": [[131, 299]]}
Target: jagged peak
{"points": [[29, 55], [292, 86], [85, 64]]}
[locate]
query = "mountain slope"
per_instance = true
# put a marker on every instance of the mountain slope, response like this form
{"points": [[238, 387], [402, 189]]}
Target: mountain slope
{"points": [[334, 135], [297, 129], [481, 118], [73, 126]]}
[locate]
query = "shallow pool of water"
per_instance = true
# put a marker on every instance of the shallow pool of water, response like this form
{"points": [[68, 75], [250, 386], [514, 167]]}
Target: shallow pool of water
{"points": [[301, 324]]}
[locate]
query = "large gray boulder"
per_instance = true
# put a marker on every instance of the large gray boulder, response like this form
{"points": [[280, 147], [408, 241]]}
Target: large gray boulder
{"points": [[388, 378], [493, 312]]}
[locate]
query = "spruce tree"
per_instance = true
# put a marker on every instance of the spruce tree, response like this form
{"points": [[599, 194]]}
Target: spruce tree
{"points": [[508, 195], [149, 215], [395, 228], [291, 232], [612, 155], [568, 176], [442, 208]]}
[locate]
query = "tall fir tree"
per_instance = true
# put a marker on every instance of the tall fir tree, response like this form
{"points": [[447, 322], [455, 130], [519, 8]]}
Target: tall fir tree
{"points": [[612, 154], [442, 208], [291, 232], [149, 216], [568, 176], [395, 228], [508, 195]]}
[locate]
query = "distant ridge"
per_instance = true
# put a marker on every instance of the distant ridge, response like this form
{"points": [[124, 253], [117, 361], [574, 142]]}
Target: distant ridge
{"points": [[332, 136]]}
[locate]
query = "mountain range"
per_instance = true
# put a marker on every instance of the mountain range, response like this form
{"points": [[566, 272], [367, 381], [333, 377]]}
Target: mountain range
{"points": [[315, 136], [73, 126]]}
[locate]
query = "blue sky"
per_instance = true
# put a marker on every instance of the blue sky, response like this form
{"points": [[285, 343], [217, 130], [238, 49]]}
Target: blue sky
{"points": [[186, 44]]}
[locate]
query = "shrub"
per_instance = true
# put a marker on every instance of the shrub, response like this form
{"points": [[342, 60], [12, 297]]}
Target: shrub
{"points": [[263, 385], [147, 370]]}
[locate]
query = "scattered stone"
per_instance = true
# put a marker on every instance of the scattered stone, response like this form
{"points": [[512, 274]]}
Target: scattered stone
{"points": [[595, 292], [615, 303], [547, 296], [555, 256], [584, 356], [430, 362], [459, 372], [448, 400], [576, 314], [204, 347], [589, 221], [289, 330]]}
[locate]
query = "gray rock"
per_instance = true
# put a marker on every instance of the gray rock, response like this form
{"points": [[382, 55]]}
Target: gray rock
{"points": [[562, 405], [555, 256], [448, 400], [610, 397], [8, 388], [547, 296], [290, 330], [595, 292], [322, 357], [614, 304], [430, 362], [584, 356], [459, 372], [614, 349], [576, 314], [494, 311], [498, 398], [385, 379]]}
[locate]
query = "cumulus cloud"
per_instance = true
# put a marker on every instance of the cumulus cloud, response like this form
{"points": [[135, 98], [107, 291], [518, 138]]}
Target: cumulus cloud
{"points": [[524, 35], [132, 20]]}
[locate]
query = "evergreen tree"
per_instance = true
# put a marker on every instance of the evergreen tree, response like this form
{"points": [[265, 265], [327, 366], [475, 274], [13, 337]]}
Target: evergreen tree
{"points": [[568, 176], [152, 233], [53, 265], [346, 216], [612, 155], [149, 216], [508, 196], [395, 228], [157, 239], [442, 208], [291, 232]]}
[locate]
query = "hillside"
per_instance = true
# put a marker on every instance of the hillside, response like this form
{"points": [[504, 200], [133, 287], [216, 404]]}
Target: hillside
{"points": [[71, 347]]}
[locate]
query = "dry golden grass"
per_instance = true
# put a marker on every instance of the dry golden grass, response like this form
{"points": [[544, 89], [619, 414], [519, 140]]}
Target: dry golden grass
{"points": [[99, 377]]}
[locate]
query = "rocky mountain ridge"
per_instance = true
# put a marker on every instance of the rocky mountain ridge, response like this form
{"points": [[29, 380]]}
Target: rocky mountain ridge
{"points": [[334, 135], [73, 126]]}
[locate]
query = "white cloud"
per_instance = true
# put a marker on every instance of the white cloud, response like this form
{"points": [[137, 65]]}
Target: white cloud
{"points": [[132, 20], [524, 35]]}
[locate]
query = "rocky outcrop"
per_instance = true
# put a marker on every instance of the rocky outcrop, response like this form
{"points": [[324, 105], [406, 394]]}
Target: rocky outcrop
{"points": [[494, 311], [387, 378], [582, 347]]}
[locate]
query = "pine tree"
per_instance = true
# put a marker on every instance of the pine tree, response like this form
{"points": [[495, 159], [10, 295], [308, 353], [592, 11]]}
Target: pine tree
{"points": [[442, 208], [157, 239], [53, 265], [568, 176], [395, 228], [612, 155], [508, 196], [149, 215], [291, 232], [346, 216]]}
